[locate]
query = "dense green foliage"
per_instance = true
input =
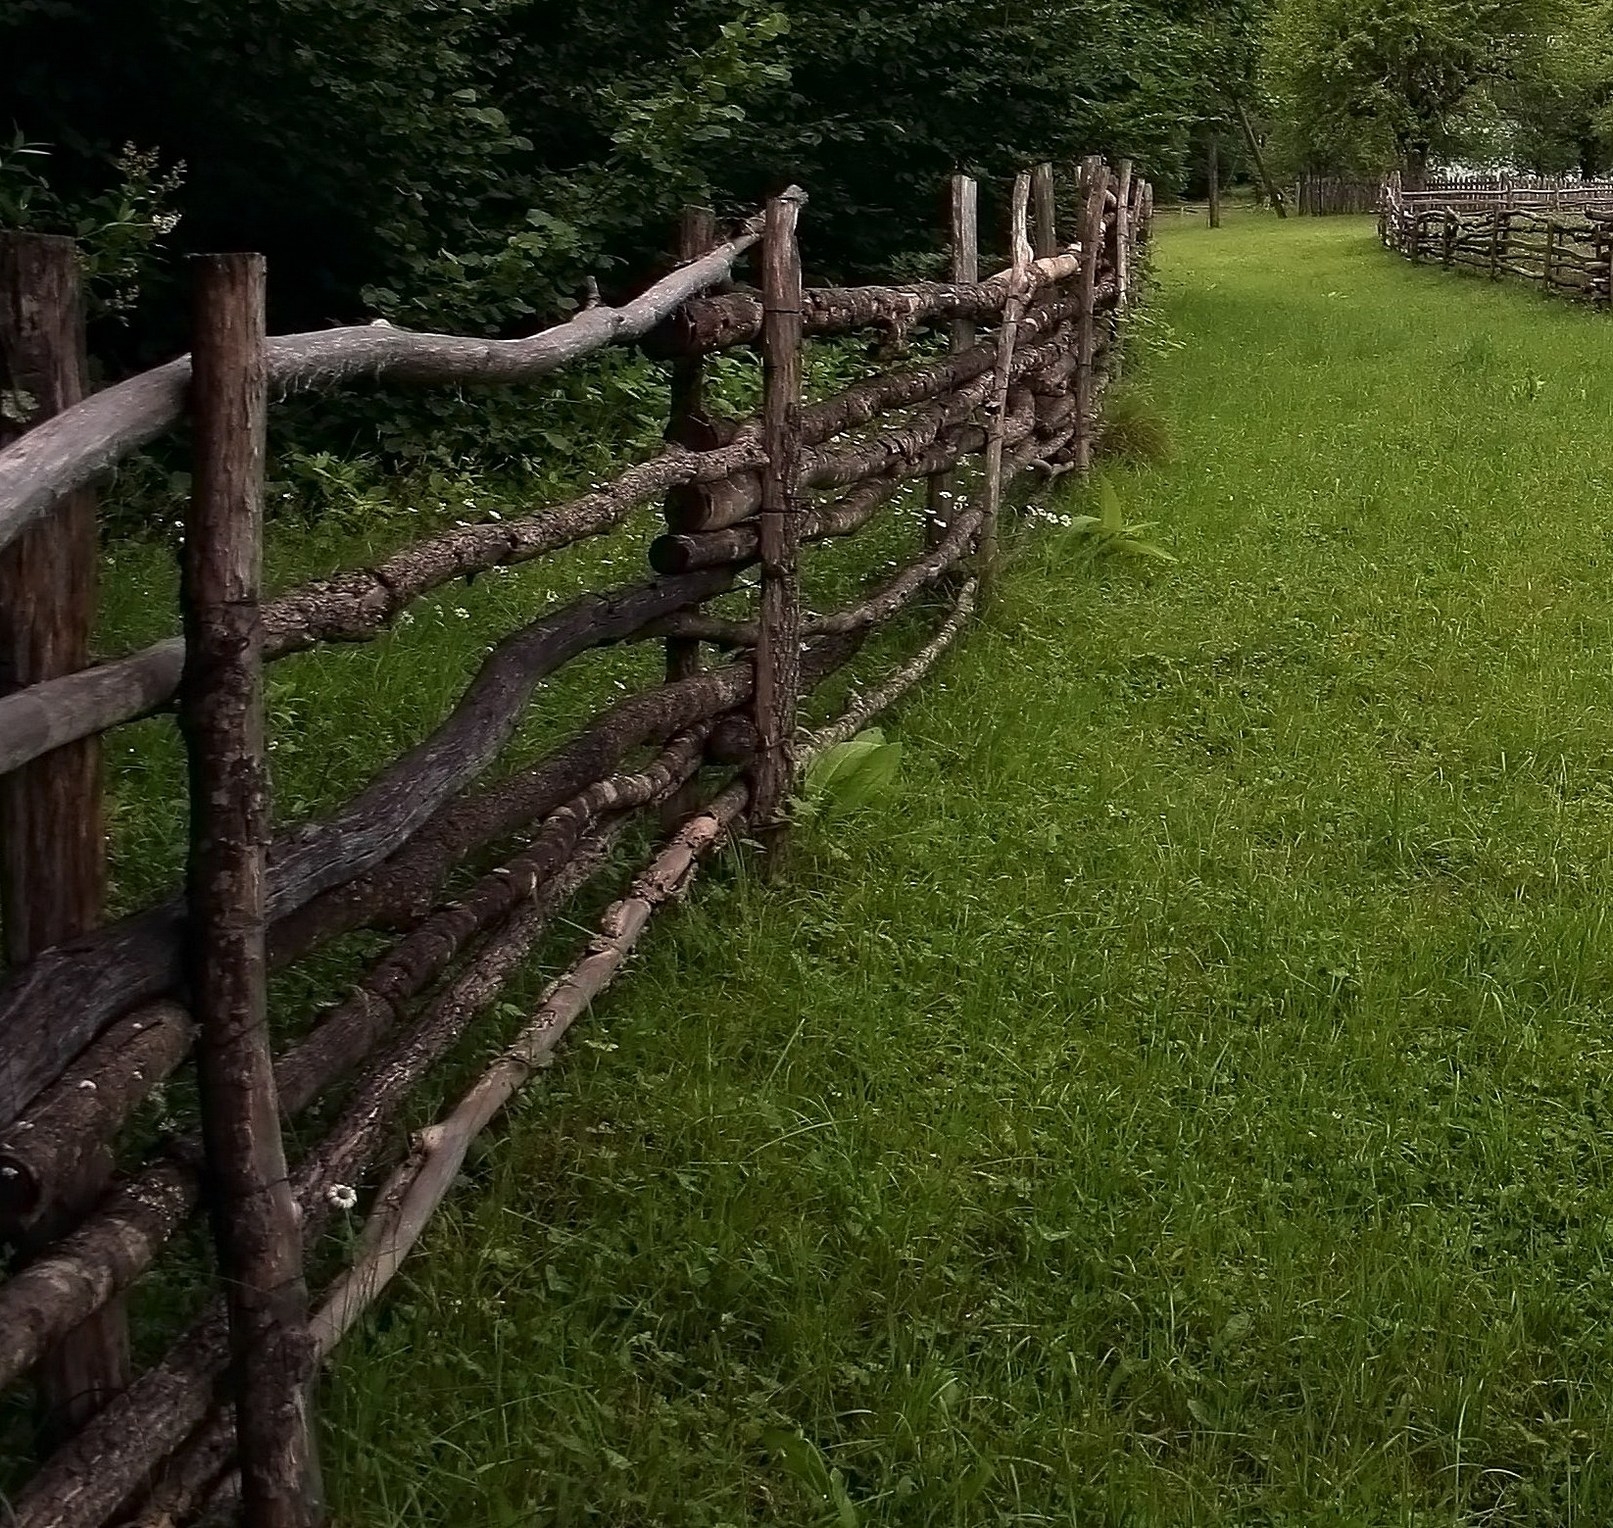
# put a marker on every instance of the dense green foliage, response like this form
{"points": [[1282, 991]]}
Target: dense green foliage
{"points": [[1361, 85], [469, 164]]}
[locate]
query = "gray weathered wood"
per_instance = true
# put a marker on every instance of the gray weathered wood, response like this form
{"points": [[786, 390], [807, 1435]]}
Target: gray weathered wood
{"points": [[689, 427], [249, 1196], [778, 648], [90, 439], [1093, 184], [85, 983], [963, 251], [1019, 243]]}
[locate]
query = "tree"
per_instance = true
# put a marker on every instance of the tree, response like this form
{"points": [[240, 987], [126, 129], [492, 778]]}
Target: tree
{"points": [[1394, 80], [1558, 110]]}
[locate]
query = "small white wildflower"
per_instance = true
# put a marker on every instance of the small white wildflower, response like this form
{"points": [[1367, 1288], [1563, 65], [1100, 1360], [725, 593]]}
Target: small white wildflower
{"points": [[406, 619], [86, 1086], [342, 1196]]}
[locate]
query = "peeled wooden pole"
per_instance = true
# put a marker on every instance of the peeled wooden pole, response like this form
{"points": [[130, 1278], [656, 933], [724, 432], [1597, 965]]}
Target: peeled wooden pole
{"points": [[249, 1195], [1012, 309], [963, 247], [1212, 162], [1093, 179], [778, 648], [52, 844]]}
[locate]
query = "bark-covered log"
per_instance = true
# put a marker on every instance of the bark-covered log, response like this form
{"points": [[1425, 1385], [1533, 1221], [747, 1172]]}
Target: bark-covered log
{"points": [[778, 645], [738, 544], [119, 1241], [52, 839], [79, 986], [884, 695], [406, 1203], [880, 605], [963, 250], [719, 323], [1093, 182], [255, 1223], [352, 607], [350, 1031], [90, 439], [79, 1275], [1007, 334], [86, 1107], [412, 1194]]}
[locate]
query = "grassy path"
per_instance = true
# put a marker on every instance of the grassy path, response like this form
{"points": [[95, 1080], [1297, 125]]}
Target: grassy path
{"points": [[1192, 1105]]}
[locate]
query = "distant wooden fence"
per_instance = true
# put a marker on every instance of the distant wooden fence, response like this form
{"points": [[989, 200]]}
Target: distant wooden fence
{"points": [[94, 1016], [1556, 234], [1334, 195]]}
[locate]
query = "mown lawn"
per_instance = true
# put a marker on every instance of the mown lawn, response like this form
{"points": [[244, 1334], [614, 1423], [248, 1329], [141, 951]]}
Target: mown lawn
{"points": [[1189, 1103]]}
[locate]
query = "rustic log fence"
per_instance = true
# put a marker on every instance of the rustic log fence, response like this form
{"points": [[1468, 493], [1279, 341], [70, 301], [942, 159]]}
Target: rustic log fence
{"points": [[94, 1016], [1557, 235]]}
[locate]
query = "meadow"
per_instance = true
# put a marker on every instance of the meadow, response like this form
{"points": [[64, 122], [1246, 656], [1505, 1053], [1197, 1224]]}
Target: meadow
{"points": [[1186, 1100], [1188, 1103]]}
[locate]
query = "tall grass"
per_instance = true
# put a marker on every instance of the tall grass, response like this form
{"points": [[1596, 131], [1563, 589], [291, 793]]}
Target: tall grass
{"points": [[1189, 1104]]}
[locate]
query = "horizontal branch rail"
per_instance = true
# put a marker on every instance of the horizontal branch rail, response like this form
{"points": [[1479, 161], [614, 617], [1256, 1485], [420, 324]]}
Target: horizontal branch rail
{"points": [[88, 440]]}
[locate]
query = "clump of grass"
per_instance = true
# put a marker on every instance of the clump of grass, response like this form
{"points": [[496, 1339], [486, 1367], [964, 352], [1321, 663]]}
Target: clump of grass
{"points": [[1132, 430]]}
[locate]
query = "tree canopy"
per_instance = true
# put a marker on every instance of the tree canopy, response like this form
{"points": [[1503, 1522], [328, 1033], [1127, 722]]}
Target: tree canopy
{"points": [[468, 163]]}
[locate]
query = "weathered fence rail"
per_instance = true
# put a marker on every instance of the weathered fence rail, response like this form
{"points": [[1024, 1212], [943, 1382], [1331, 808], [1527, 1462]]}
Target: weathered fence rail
{"points": [[94, 1016], [1556, 234]]}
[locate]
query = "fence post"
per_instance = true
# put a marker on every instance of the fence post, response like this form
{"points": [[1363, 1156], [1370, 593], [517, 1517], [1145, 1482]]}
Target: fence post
{"points": [[1495, 242], [1548, 260], [1007, 333], [1120, 264], [1213, 170], [1094, 183], [1448, 251], [687, 426], [1045, 238], [778, 643], [963, 245], [52, 846], [254, 1216]]}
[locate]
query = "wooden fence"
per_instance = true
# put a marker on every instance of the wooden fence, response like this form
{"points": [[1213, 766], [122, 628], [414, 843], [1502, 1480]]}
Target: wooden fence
{"points": [[1334, 195], [1558, 235], [95, 1015]]}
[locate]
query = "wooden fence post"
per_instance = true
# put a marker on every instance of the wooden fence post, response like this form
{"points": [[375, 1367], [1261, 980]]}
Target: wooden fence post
{"points": [[1213, 170], [52, 845], [1120, 264], [1007, 332], [1448, 251], [1548, 260], [778, 644], [1495, 242], [1122, 238], [963, 246], [249, 1197], [1045, 238], [1093, 182], [687, 426]]}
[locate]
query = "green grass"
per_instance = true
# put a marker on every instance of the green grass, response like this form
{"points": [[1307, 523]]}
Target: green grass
{"points": [[1190, 1105]]}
